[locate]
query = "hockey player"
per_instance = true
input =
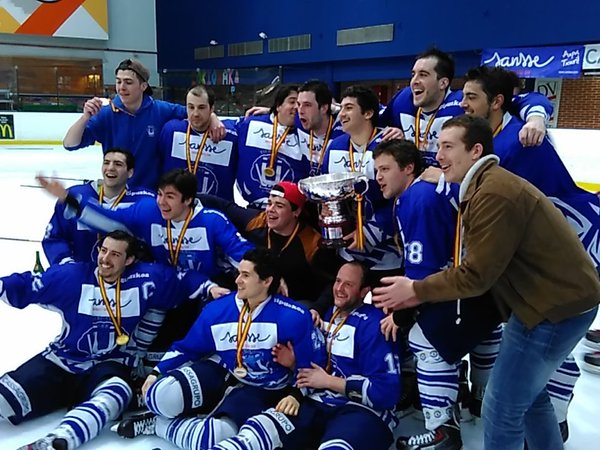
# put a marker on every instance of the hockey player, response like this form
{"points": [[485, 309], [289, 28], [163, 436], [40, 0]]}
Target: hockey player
{"points": [[353, 152], [106, 309], [239, 378], [350, 403], [132, 120], [269, 151], [67, 240], [421, 109], [444, 332], [186, 144]]}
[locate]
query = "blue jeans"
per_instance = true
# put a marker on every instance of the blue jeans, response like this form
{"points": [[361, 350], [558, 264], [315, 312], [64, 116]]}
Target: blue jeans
{"points": [[516, 404]]}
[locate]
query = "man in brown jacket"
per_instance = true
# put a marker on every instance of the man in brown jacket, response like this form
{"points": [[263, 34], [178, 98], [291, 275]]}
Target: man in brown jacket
{"points": [[517, 244]]}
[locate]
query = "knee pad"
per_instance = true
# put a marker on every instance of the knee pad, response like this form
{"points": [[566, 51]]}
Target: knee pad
{"points": [[165, 397]]}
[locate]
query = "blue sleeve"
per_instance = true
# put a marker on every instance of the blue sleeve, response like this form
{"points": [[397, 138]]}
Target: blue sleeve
{"points": [[226, 236], [95, 129], [197, 343], [129, 219], [22, 289], [302, 341], [56, 243], [378, 386], [533, 104]]}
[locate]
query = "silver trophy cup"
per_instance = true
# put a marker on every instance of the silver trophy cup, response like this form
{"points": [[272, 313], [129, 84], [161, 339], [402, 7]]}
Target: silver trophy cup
{"points": [[336, 213]]}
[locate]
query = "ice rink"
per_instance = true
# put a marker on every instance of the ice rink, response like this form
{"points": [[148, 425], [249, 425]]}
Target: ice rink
{"points": [[23, 333]]}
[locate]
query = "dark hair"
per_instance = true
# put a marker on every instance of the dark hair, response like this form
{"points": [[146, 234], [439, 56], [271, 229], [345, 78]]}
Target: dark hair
{"points": [[200, 90], [494, 81], [282, 92], [444, 67], [366, 99], [182, 180], [129, 158], [141, 72], [120, 235], [322, 92], [403, 151], [477, 130], [364, 272], [266, 264]]}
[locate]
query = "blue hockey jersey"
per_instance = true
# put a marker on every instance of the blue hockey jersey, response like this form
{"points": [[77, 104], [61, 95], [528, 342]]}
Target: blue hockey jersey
{"points": [[255, 135], [209, 233], [218, 162], [276, 320], [88, 335], [543, 168], [114, 126], [401, 113], [369, 363], [66, 239]]}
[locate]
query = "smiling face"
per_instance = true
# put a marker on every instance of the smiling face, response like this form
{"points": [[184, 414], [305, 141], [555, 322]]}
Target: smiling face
{"points": [[392, 179], [250, 286], [114, 170], [198, 111], [352, 118], [453, 155], [130, 88], [428, 92], [171, 203], [286, 112], [112, 259], [347, 291], [280, 217]]}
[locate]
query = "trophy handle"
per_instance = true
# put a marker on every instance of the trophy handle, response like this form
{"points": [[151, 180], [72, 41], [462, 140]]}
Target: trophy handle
{"points": [[361, 180]]}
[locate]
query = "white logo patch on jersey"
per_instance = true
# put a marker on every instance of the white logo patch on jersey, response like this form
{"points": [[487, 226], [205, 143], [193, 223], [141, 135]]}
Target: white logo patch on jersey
{"points": [[260, 135], [339, 162], [218, 154], [343, 341], [194, 239], [91, 303], [262, 336]]}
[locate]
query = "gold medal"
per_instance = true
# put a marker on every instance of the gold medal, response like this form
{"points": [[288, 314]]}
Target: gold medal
{"points": [[269, 172], [122, 340], [240, 372]]}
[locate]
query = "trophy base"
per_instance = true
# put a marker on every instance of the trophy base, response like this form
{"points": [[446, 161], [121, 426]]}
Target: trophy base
{"points": [[333, 243]]}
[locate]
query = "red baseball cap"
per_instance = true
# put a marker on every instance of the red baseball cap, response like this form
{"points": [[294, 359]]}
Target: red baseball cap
{"points": [[289, 191]]}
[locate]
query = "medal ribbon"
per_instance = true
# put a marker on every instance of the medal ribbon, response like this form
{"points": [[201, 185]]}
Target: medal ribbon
{"points": [[497, 130], [188, 153], [418, 141], [115, 202], [276, 143], [397, 239], [458, 243], [288, 242], [329, 338], [360, 235], [116, 321], [311, 145], [243, 329], [174, 254]]}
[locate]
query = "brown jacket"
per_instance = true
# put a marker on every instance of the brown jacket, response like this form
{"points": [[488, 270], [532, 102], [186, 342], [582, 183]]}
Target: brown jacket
{"points": [[518, 245]]}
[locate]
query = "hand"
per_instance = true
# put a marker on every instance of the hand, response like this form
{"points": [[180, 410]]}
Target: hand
{"points": [[533, 132], [431, 175], [150, 380], [351, 238], [288, 405], [257, 111], [218, 291], [316, 318], [284, 355], [315, 377], [53, 187], [216, 129], [283, 288], [92, 107], [388, 328], [395, 293], [391, 133]]}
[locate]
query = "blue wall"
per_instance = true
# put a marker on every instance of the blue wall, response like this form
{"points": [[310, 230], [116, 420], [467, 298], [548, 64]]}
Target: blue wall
{"points": [[460, 27]]}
